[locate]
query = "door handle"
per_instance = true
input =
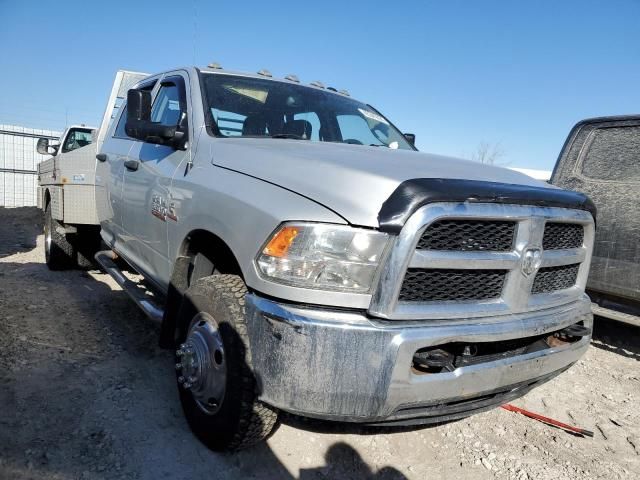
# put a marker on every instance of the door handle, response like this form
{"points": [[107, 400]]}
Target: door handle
{"points": [[132, 165], [102, 157]]}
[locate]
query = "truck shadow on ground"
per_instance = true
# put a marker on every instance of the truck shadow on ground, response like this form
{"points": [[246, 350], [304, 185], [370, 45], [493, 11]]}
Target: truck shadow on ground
{"points": [[19, 229], [86, 392], [616, 337], [342, 461]]}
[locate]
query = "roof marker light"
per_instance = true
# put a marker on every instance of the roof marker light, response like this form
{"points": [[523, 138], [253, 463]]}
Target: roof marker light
{"points": [[265, 73], [344, 92], [332, 89], [317, 84], [292, 78], [215, 66]]}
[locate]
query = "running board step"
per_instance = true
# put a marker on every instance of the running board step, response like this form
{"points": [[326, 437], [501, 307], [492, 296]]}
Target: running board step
{"points": [[615, 315], [137, 293]]}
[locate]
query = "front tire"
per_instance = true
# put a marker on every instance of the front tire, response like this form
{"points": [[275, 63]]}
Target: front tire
{"points": [[215, 379]]}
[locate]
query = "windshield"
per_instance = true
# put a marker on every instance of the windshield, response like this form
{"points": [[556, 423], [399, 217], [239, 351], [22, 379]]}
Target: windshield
{"points": [[252, 107], [77, 138]]}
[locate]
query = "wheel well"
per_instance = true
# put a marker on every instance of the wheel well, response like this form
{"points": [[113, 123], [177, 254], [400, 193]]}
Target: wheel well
{"points": [[219, 259], [213, 248]]}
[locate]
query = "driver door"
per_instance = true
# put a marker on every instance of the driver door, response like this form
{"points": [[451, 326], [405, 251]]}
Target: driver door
{"points": [[147, 183]]}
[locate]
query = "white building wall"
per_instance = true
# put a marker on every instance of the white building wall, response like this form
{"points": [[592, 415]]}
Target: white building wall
{"points": [[18, 163]]}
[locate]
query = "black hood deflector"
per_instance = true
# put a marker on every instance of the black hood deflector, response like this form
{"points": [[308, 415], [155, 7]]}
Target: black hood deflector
{"points": [[413, 194]]}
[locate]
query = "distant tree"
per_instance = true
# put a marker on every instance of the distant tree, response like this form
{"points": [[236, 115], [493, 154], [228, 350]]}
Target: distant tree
{"points": [[489, 153]]}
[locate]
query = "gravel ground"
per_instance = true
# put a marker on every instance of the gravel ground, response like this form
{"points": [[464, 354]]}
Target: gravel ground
{"points": [[86, 394]]}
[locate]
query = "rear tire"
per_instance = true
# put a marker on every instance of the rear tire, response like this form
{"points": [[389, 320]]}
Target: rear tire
{"points": [[58, 251], [220, 401]]}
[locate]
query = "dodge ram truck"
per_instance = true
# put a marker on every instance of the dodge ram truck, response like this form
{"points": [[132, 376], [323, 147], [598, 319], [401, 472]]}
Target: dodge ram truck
{"points": [[303, 256]]}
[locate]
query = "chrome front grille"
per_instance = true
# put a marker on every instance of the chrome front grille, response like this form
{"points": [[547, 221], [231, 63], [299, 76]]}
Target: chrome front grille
{"points": [[558, 236], [551, 279], [446, 264], [440, 285], [468, 236]]}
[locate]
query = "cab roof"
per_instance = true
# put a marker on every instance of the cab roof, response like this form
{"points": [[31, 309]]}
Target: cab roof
{"points": [[266, 75]]}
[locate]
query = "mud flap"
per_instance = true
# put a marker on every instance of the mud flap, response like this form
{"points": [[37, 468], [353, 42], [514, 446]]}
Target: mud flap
{"points": [[177, 286]]}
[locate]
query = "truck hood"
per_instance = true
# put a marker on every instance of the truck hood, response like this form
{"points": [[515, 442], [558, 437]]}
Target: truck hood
{"points": [[351, 180]]}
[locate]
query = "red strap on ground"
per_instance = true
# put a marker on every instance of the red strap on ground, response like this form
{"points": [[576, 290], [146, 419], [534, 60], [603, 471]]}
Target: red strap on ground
{"points": [[550, 421]]}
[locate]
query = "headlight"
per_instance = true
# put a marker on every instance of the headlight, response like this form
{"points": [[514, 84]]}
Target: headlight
{"points": [[328, 257]]}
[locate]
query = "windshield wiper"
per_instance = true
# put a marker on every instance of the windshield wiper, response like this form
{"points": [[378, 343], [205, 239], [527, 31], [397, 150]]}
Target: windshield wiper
{"points": [[288, 135]]}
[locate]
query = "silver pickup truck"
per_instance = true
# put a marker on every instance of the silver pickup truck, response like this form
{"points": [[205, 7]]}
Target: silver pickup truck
{"points": [[303, 256]]}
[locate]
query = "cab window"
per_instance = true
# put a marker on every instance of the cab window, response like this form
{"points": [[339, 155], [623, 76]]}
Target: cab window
{"points": [[77, 138], [314, 122], [254, 107], [166, 107], [613, 155], [229, 123], [355, 129]]}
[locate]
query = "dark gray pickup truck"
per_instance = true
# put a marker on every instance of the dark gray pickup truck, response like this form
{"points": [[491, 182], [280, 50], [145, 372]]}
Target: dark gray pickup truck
{"points": [[601, 158]]}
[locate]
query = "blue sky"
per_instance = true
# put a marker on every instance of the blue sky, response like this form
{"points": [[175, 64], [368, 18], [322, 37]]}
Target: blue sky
{"points": [[457, 73]]}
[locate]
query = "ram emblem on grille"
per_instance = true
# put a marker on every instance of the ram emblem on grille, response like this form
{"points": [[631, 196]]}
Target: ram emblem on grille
{"points": [[531, 260]]}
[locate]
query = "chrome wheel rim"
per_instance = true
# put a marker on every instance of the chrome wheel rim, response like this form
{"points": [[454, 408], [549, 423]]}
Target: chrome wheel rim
{"points": [[202, 366], [47, 240]]}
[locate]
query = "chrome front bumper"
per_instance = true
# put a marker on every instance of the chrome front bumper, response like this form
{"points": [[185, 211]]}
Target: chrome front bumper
{"points": [[342, 365]]}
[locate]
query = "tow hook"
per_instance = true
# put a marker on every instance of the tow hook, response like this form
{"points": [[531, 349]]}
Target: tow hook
{"points": [[446, 358], [570, 334], [436, 358], [575, 331]]}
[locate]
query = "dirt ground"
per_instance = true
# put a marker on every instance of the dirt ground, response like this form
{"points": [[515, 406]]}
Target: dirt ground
{"points": [[85, 393]]}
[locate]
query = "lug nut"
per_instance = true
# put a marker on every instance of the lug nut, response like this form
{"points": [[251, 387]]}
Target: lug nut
{"points": [[178, 366], [192, 379], [180, 379], [186, 385]]}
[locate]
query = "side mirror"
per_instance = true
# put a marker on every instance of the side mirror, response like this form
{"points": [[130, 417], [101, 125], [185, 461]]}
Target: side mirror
{"points": [[139, 124], [411, 138], [138, 105], [44, 148]]}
